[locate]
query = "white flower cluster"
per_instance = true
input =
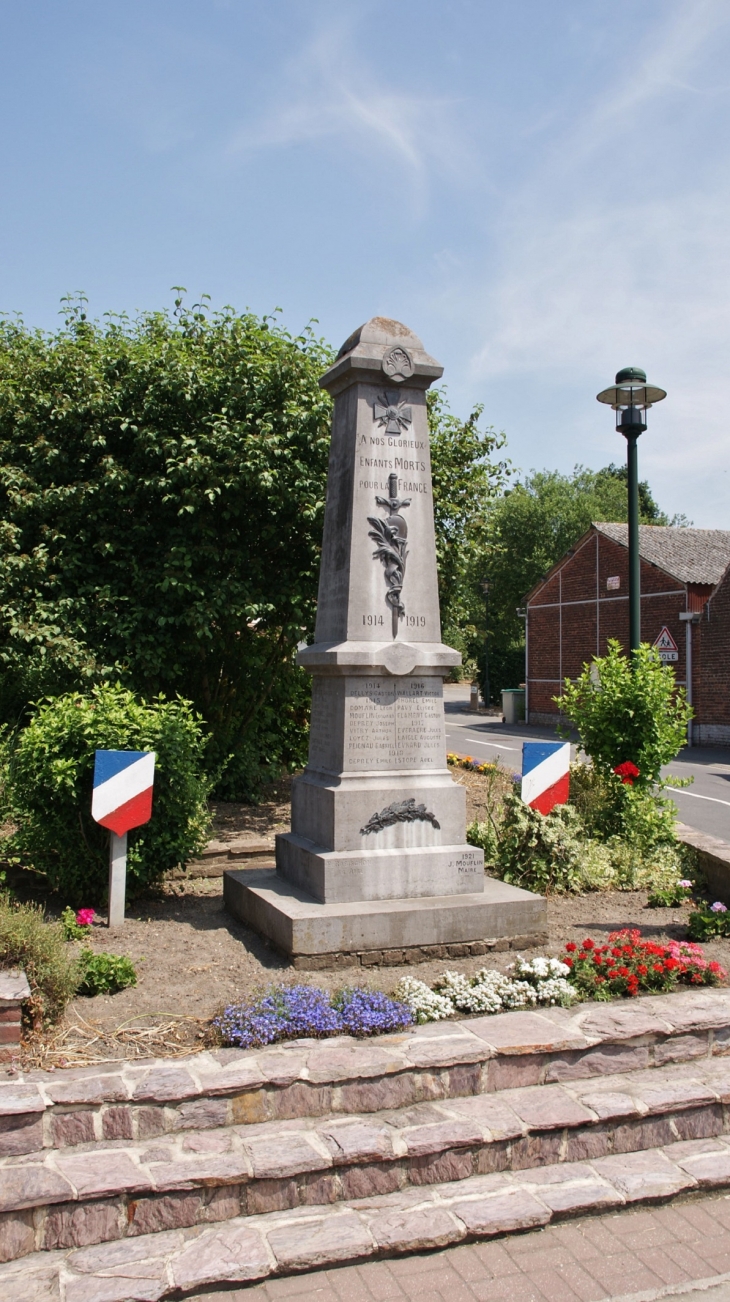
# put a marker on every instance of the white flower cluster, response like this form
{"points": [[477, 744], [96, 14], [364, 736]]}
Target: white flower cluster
{"points": [[423, 1002], [528, 983]]}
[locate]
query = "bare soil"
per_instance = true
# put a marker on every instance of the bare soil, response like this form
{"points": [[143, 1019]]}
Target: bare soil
{"points": [[192, 958]]}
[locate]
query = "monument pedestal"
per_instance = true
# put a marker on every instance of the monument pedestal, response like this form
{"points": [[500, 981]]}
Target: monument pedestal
{"points": [[376, 866], [384, 932]]}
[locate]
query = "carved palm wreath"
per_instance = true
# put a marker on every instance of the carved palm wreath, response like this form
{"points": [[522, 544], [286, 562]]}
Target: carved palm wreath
{"points": [[394, 416], [407, 811]]}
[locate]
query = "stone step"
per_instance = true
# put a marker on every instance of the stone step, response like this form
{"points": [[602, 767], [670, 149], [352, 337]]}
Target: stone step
{"points": [[220, 855], [135, 1101], [153, 1267], [102, 1191]]}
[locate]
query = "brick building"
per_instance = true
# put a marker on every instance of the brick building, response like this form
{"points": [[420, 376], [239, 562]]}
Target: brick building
{"points": [[584, 600]]}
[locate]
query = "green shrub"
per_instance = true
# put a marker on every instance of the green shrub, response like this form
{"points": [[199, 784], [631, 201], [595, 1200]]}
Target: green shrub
{"points": [[104, 974], [50, 783], [709, 921], [672, 897], [549, 853], [30, 942], [628, 710]]}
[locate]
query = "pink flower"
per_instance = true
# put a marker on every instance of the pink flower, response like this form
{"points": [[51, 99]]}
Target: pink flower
{"points": [[85, 917], [717, 907]]}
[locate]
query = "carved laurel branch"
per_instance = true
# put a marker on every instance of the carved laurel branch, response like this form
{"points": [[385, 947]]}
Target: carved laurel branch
{"points": [[407, 811], [392, 551]]}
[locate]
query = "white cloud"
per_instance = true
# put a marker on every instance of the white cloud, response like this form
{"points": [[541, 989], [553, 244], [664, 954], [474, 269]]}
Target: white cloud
{"points": [[617, 252], [331, 92]]}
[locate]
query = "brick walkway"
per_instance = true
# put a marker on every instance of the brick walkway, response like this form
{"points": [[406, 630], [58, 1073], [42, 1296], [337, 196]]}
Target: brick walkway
{"points": [[644, 1251]]}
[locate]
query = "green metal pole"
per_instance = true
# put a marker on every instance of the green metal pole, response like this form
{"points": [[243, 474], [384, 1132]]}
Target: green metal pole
{"points": [[634, 564]]}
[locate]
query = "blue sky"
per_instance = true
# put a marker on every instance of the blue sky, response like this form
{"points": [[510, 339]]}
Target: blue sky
{"points": [[539, 190]]}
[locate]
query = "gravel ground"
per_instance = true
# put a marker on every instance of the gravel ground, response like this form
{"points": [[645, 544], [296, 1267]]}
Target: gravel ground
{"points": [[192, 958]]}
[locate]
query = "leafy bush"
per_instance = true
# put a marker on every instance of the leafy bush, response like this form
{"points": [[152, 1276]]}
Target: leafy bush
{"points": [[549, 853], [50, 783], [628, 709], [104, 974], [709, 921], [630, 965], [287, 1012], [672, 897], [30, 942], [74, 925]]}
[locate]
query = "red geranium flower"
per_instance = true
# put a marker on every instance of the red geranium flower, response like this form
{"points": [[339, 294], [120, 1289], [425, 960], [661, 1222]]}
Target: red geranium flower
{"points": [[571, 947], [623, 971], [627, 772], [588, 943]]}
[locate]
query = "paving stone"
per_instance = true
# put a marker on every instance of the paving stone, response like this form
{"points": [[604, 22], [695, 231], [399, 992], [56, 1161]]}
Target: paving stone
{"points": [[290, 1154], [74, 1225], [212, 1168], [606, 1061], [457, 1133], [32, 1186], [149, 1122], [87, 1089], [491, 1113], [165, 1084], [201, 1114], [610, 1104], [340, 1237], [643, 1175], [69, 1128], [232, 1252], [96, 1174], [116, 1123], [546, 1107], [414, 1229], [681, 1048], [18, 1098], [356, 1141], [570, 1187], [622, 1022], [17, 1235], [505, 1210], [524, 1032], [708, 1169], [21, 1133], [208, 1141], [661, 1092]]}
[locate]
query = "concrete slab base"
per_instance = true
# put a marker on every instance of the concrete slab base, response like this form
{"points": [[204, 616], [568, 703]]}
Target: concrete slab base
{"points": [[334, 935]]}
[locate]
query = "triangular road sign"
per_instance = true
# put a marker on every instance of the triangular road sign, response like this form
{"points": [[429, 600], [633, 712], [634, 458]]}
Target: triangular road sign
{"points": [[666, 645]]}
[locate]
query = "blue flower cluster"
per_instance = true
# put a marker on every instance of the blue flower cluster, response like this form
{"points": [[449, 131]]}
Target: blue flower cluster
{"points": [[288, 1012]]}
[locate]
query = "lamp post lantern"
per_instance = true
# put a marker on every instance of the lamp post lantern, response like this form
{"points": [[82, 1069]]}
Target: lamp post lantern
{"points": [[631, 397]]}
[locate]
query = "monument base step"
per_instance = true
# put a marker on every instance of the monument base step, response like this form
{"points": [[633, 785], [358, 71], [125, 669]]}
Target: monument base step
{"points": [[365, 932]]}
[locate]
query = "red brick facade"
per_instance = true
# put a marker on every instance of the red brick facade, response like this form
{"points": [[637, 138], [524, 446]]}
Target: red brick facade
{"points": [[575, 610]]}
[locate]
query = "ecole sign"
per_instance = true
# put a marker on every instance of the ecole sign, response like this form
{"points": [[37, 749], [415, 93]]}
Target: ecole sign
{"points": [[666, 646]]}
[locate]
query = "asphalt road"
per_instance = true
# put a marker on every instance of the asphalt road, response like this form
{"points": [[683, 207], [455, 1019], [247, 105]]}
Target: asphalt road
{"points": [[704, 805]]}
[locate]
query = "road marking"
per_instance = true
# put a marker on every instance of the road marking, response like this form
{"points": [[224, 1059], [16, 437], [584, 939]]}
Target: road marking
{"points": [[496, 744], [696, 796]]}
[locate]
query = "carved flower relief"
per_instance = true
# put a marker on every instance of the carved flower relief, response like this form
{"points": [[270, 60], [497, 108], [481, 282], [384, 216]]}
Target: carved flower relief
{"points": [[395, 416]]}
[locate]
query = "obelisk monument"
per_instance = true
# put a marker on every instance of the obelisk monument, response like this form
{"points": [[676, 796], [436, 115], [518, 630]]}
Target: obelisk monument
{"points": [[377, 859]]}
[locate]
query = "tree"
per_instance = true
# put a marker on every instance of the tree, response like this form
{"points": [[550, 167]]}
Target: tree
{"points": [[466, 480], [530, 527], [161, 506]]}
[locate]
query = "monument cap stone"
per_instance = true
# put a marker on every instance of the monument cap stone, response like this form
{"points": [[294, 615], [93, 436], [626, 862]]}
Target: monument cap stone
{"points": [[382, 349]]}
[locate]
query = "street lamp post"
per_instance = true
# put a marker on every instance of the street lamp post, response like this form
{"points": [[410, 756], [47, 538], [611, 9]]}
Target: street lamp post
{"points": [[631, 397], [487, 691]]}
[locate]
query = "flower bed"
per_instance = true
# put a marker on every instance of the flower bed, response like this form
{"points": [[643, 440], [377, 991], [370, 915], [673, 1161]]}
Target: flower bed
{"points": [[540, 981], [629, 965], [287, 1012]]}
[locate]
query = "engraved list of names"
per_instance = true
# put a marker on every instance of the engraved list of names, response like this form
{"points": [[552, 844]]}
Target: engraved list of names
{"points": [[394, 723]]}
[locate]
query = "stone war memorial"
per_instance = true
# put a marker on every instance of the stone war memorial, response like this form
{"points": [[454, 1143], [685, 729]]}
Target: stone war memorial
{"points": [[376, 867]]}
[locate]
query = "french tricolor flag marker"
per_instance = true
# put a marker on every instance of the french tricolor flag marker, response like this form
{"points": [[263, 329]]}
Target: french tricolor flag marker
{"points": [[545, 774], [122, 799]]}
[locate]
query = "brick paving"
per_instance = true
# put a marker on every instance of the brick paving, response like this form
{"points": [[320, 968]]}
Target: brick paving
{"points": [[649, 1250]]}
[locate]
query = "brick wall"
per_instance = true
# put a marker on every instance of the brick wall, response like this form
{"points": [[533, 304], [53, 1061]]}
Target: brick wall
{"points": [[711, 668], [574, 613]]}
